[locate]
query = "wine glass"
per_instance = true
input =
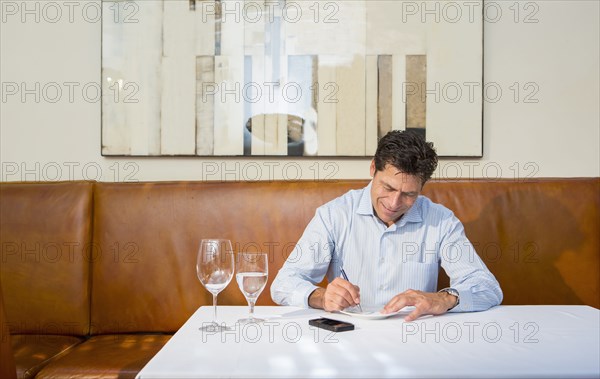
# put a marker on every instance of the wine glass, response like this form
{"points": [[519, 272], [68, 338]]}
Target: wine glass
{"points": [[251, 275], [214, 266]]}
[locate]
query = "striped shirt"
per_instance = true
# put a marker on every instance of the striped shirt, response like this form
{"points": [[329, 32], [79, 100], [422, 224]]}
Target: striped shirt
{"points": [[385, 261]]}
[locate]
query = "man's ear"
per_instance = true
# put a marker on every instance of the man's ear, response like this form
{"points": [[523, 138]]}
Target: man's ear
{"points": [[372, 169]]}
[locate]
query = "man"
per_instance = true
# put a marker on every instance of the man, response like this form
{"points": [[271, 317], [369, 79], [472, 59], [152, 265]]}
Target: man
{"points": [[390, 241]]}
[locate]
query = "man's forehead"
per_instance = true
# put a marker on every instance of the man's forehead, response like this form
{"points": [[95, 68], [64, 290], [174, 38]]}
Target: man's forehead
{"points": [[399, 176]]}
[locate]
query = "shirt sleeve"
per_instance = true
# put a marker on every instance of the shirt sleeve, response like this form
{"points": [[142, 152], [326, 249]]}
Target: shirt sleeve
{"points": [[307, 264], [478, 288]]}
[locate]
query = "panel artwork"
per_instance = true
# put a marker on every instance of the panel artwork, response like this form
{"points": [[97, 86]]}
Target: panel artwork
{"points": [[289, 77]]}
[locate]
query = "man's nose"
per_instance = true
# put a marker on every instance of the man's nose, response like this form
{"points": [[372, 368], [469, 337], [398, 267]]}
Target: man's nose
{"points": [[396, 201]]}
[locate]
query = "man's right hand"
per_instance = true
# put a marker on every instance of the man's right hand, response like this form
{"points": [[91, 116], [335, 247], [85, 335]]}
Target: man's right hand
{"points": [[338, 295]]}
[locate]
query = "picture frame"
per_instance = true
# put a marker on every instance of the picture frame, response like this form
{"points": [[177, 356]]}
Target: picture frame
{"points": [[298, 78]]}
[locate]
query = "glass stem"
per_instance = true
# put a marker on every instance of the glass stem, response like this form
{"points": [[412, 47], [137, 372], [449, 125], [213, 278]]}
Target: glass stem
{"points": [[251, 305], [215, 308]]}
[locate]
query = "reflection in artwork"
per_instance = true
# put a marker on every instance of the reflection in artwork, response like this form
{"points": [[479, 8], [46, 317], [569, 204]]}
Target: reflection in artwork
{"points": [[285, 78]]}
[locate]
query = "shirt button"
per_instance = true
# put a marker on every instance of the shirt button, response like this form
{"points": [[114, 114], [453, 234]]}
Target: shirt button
{"points": [[381, 287], [381, 260]]}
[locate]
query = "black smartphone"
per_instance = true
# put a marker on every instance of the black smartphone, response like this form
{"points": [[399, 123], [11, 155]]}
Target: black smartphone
{"points": [[331, 324]]}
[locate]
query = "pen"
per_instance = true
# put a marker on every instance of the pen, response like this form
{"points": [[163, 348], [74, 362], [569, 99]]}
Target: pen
{"points": [[346, 279]]}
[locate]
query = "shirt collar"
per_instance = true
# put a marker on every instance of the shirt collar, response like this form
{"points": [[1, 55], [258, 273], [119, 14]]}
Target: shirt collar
{"points": [[365, 207], [413, 214]]}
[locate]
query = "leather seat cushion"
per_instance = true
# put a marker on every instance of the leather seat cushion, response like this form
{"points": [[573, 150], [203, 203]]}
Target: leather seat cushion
{"points": [[34, 351], [107, 356]]}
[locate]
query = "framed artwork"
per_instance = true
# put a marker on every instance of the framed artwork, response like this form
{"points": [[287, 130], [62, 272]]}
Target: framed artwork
{"points": [[289, 77]]}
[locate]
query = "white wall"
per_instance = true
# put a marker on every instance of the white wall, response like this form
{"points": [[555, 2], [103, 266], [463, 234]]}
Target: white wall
{"points": [[559, 136]]}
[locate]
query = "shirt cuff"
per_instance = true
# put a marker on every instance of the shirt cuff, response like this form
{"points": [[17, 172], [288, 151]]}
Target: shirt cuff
{"points": [[466, 301], [302, 293]]}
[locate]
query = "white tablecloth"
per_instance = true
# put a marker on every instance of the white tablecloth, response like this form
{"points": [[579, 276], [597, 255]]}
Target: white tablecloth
{"points": [[506, 341]]}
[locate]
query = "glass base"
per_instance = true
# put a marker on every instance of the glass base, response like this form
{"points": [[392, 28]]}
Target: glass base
{"points": [[250, 320], [213, 327]]}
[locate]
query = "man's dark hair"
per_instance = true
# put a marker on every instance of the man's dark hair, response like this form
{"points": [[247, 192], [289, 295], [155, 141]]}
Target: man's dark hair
{"points": [[408, 152]]}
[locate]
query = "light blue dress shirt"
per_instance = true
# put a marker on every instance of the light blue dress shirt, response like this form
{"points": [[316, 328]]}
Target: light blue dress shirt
{"points": [[385, 261]]}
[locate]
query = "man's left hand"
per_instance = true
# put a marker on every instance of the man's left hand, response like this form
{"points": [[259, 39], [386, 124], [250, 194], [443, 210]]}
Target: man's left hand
{"points": [[426, 303]]}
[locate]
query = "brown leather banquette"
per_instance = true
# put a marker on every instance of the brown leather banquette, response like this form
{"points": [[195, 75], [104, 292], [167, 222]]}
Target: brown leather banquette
{"points": [[96, 277]]}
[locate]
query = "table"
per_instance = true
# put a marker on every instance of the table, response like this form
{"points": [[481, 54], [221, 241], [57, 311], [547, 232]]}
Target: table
{"points": [[505, 341]]}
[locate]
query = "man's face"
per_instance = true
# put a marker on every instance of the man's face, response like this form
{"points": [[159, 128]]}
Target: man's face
{"points": [[393, 192]]}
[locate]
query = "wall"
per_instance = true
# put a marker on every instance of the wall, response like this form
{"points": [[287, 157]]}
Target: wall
{"points": [[546, 52]]}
